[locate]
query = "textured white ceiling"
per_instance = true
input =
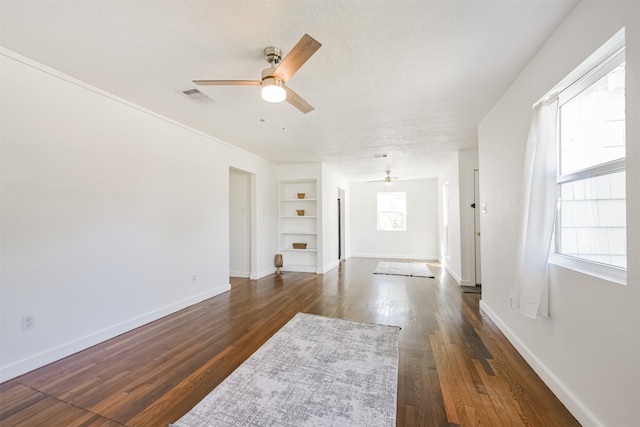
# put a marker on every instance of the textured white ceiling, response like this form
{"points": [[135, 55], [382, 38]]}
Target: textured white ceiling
{"points": [[411, 79]]}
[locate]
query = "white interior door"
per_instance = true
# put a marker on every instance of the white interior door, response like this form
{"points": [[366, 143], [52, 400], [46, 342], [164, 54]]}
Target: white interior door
{"points": [[476, 222]]}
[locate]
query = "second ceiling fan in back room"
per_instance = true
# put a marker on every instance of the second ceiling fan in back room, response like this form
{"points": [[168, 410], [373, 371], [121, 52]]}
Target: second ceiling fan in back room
{"points": [[388, 180], [278, 73]]}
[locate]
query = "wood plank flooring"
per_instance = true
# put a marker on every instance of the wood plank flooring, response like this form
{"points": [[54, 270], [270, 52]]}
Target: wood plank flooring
{"points": [[455, 367]]}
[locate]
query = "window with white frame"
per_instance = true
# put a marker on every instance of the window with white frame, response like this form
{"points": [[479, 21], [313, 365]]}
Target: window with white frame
{"points": [[591, 220], [392, 211]]}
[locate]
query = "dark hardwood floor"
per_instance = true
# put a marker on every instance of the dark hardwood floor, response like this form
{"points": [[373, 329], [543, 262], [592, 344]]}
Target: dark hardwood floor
{"points": [[455, 367]]}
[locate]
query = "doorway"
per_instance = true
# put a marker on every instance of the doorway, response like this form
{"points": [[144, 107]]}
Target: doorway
{"points": [[341, 225], [240, 235]]}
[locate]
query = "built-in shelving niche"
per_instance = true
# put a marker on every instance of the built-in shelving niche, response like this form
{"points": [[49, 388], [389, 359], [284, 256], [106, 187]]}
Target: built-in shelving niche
{"points": [[296, 227]]}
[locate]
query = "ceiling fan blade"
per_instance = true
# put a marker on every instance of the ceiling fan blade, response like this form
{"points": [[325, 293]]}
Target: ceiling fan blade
{"points": [[297, 101], [296, 58], [228, 82]]}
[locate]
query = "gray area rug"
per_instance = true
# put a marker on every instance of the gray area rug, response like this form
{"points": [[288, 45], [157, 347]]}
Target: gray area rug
{"points": [[415, 269], [315, 371]]}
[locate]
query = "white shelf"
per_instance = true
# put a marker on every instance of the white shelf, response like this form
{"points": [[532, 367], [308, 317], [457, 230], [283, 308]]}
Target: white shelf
{"points": [[298, 233], [299, 228], [302, 267], [298, 200]]}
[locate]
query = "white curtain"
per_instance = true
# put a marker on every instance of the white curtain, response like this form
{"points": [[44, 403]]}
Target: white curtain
{"points": [[530, 293]]}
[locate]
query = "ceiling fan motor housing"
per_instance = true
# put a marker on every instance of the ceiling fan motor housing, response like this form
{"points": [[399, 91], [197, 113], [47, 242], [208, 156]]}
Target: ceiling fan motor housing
{"points": [[268, 79], [268, 73], [273, 89], [273, 55]]}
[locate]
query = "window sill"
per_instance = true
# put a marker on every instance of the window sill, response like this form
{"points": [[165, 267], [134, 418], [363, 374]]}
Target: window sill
{"points": [[611, 274]]}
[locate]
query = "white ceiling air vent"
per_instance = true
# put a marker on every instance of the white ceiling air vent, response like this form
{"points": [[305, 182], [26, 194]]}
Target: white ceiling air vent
{"points": [[380, 156], [196, 96]]}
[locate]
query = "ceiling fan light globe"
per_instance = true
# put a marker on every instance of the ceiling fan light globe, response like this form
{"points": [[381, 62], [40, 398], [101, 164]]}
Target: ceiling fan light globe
{"points": [[388, 181], [273, 90]]}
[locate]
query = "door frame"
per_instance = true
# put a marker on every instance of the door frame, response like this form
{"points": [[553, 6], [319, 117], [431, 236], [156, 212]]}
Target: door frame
{"points": [[342, 253], [477, 263]]}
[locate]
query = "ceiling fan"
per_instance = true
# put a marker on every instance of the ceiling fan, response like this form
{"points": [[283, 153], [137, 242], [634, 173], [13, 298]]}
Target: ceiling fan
{"points": [[388, 180], [274, 78]]}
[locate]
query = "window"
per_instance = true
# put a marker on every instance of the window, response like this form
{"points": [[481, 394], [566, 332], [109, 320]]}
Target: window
{"points": [[591, 220], [392, 211]]}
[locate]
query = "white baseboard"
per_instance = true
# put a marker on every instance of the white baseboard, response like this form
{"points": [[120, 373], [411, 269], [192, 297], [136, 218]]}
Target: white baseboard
{"points": [[44, 358], [568, 399], [394, 256], [452, 273], [331, 266], [264, 273], [243, 274]]}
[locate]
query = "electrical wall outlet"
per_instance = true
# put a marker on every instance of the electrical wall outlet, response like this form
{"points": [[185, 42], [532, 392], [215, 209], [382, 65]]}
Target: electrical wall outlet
{"points": [[28, 322], [194, 279]]}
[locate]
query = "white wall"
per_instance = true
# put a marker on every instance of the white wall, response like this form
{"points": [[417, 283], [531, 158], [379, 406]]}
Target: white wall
{"points": [[239, 223], [420, 241], [588, 349], [108, 211]]}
